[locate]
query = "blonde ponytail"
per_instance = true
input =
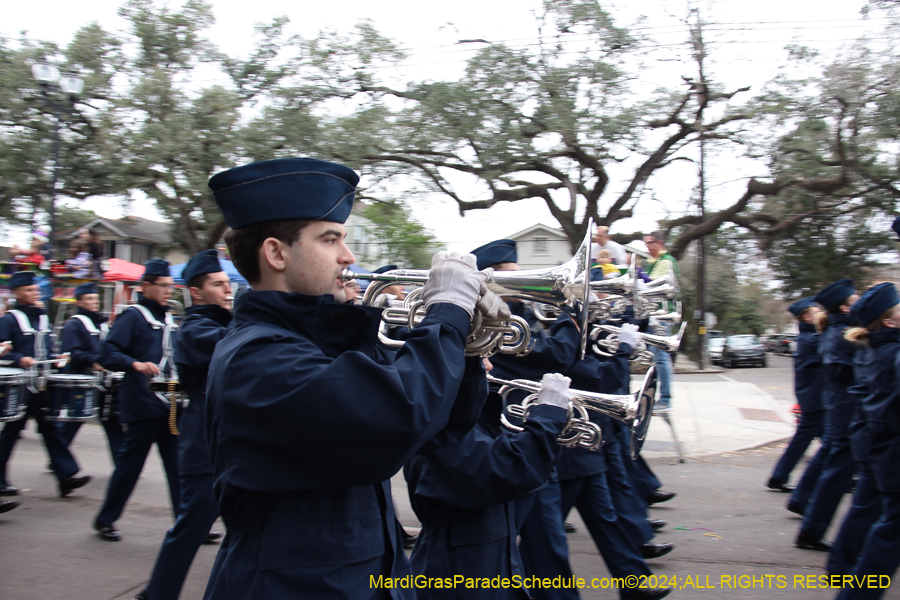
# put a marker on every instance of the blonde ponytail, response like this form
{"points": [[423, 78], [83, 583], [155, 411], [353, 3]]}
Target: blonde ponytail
{"points": [[857, 335], [820, 320]]}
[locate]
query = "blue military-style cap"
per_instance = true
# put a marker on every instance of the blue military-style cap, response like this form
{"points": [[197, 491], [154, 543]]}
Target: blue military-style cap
{"points": [[21, 278], [800, 305], [200, 264], [85, 288], [385, 269], [875, 302], [498, 251], [834, 294], [157, 267], [896, 226], [285, 189]]}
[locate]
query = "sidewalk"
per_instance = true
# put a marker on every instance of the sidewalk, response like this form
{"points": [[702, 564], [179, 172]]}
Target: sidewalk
{"points": [[715, 417]]}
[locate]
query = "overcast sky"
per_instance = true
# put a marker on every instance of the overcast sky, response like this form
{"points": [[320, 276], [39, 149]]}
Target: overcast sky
{"points": [[746, 50]]}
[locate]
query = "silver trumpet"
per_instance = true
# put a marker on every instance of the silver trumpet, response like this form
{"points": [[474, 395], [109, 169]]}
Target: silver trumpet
{"points": [[634, 410], [559, 286], [607, 346]]}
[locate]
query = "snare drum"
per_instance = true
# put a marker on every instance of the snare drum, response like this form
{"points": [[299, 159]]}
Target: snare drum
{"points": [[13, 401], [109, 400], [72, 398]]}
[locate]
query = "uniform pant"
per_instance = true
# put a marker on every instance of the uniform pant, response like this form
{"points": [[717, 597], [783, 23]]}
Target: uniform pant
{"points": [[590, 495], [881, 551], [807, 484], [114, 435], [139, 437], [632, 509], [642, 477], [61, 460], [865, 511], [837, 473], [543, 546], [197, 512], [810, 427]]}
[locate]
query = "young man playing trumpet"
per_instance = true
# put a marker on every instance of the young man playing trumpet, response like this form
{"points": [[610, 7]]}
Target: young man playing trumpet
{"points": [[301, 466]]}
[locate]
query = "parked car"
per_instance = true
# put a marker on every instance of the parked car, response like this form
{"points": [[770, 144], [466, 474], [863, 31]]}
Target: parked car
{"points": [[773, 342], [788, 344], [715, 350], [743, 350]]}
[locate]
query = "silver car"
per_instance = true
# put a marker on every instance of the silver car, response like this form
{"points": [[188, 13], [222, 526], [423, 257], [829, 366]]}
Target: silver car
{"points": [[715, 346]]}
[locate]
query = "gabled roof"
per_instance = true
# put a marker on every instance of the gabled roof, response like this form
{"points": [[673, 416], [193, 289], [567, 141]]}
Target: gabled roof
{"points": [[135, 228], [539, 227]]}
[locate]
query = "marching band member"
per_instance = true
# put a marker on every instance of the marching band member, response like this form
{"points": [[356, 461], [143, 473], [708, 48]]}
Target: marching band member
{"points": [[879, 316], [80, 338], [838, 467], [463, 493], [26, 327], [302, 471], [135, 345], [808, 389], [206, 322], [543, 547]]}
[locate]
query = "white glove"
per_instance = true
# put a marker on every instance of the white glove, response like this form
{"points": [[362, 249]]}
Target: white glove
{"points": [[555, 390], [641, 285], [490, 305], [455, 279], [653, 321], [628, 334]]}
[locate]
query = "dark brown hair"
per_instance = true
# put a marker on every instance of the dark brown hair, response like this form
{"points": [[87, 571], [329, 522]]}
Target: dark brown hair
{"points": [[197, 281], [244, 243]]}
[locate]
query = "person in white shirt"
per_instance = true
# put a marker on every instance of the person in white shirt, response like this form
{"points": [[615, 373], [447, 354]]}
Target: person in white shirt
{"points": [[602, 241]]}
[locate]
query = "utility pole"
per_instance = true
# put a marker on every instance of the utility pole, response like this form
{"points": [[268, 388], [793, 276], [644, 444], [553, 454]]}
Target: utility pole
{"points": [[702, 99]]}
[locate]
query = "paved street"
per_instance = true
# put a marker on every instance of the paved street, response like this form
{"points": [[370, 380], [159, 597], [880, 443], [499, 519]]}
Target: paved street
{"points": [[723, 521]]}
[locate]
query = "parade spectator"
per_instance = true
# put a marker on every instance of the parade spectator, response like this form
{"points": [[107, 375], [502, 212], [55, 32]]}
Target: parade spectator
{"points": [[79, 260], [658, 265], [602, 241]]}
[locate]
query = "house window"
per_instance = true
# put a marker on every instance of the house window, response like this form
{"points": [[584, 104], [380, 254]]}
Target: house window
{"points": [[540, 246], [140, 253]]}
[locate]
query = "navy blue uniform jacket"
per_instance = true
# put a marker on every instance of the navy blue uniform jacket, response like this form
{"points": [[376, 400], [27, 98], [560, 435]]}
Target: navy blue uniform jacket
{"points": [[463, 494], [306, 426], [881, 365], [808, 369], [837, 366], [202, 328], [132, 339], [22, 345], [83, 348]]}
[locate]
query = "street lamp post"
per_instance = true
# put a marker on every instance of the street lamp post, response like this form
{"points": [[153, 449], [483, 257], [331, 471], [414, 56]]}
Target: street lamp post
{"points": [[50, 79]]}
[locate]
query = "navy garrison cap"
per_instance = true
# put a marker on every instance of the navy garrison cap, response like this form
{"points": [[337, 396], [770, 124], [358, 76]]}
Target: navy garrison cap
{"points": [[285, 189], [157, 267], [21, 278], [385, 269], [834, 294], [201, 264], [800, 305], [875, 302], [85, 288], [896, 226], [498, 251]]}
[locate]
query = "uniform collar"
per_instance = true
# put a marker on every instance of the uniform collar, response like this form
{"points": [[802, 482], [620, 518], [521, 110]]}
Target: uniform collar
{"points": [[807, 327], [333, 327], [155, 308], [30, 310], [838, 319], [887, 335], [220, 315]]}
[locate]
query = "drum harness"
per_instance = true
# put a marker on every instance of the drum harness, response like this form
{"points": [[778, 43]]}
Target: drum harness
{"points": [[36, 382], [168, 358], [102, 382]]}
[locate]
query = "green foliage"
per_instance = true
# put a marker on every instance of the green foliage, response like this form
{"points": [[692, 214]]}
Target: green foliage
{"points": [[401, 240]]}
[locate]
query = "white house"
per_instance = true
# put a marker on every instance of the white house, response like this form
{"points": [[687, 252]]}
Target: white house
{"points": [[541, 246]]}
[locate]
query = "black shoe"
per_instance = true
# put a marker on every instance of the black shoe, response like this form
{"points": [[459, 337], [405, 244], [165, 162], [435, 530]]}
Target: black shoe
{"points": [[141, 596], [8, 505], [656, 524], [569, 528], [9, 490], [71, 483], [779, 487], [652, 550], [645, 593], [107, 532], [212, 536], [807, 542], [659, 496], [795, 509]]}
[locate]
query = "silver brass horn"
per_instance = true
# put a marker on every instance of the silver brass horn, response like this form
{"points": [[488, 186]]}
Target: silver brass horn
{"points": [[608, 345], [560, 286], [634, 410]]}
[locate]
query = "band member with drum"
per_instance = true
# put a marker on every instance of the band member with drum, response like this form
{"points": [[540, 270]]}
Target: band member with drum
{"points": [[302, 467], [27, 327], [80, 338], [135, 345], [206, 322]]}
